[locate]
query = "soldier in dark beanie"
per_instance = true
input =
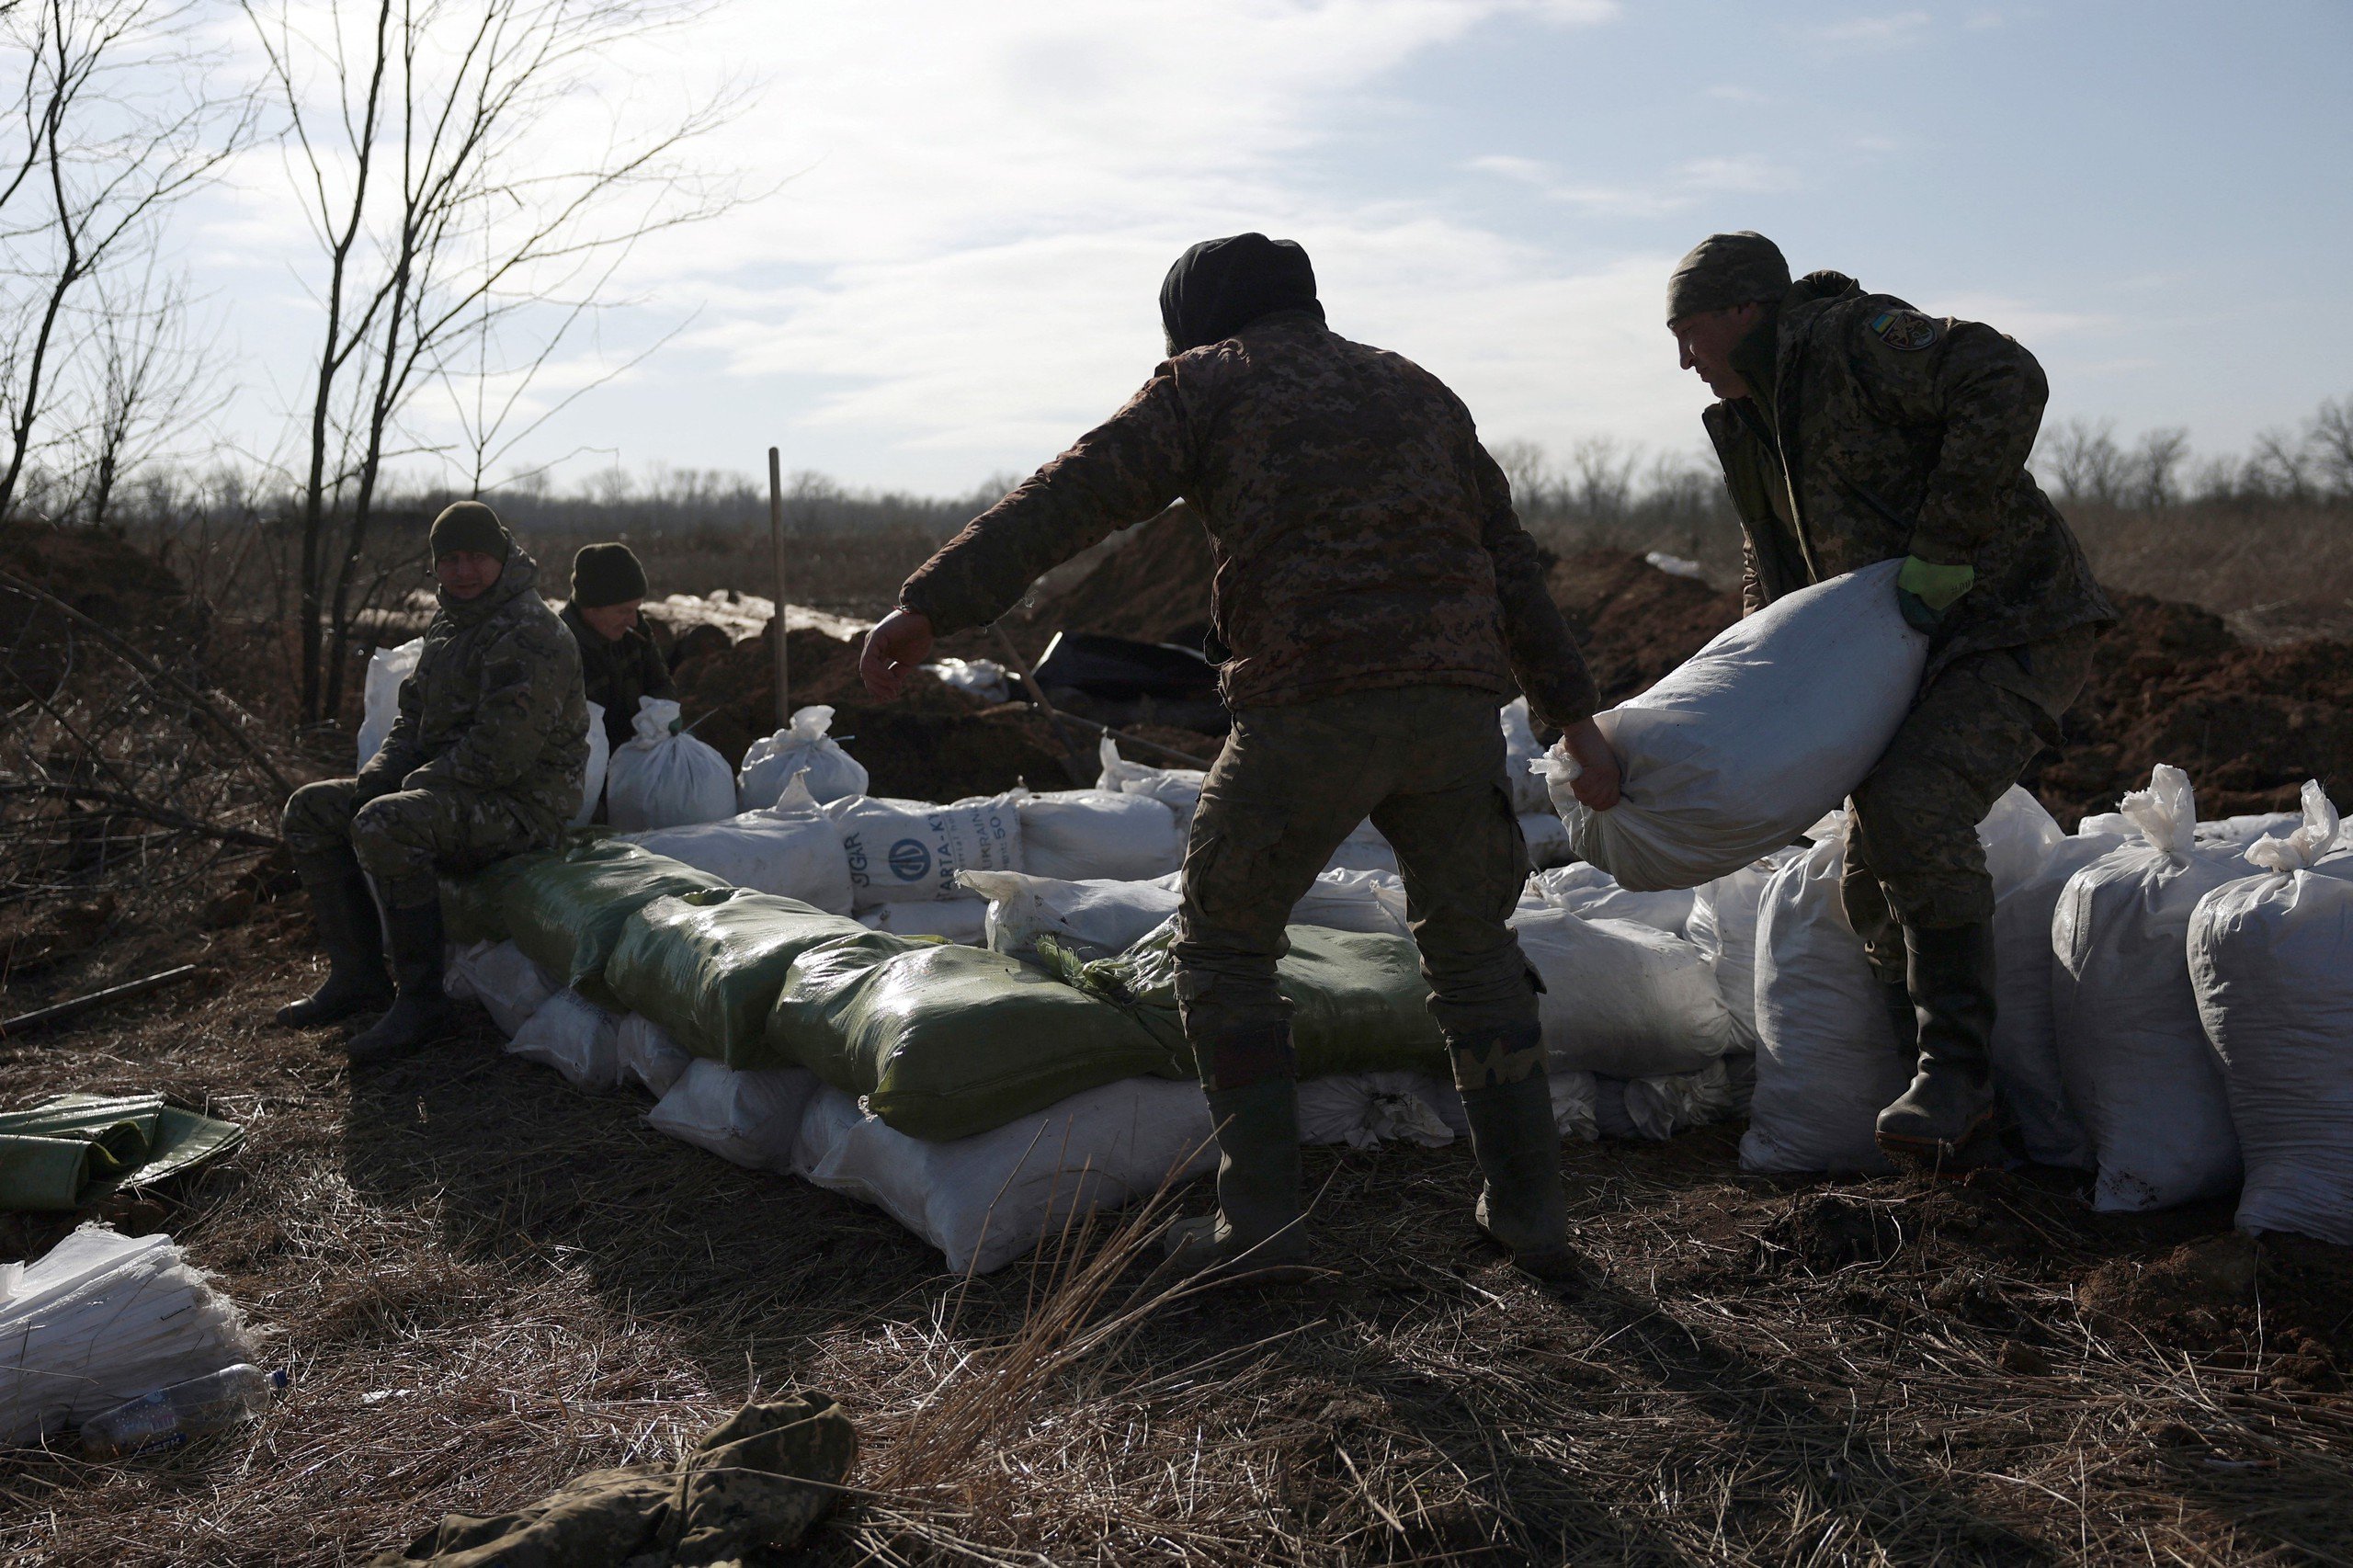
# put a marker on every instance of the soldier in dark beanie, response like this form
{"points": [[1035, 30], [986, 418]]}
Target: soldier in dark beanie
{"points": [[483, 761], [619, 663]]}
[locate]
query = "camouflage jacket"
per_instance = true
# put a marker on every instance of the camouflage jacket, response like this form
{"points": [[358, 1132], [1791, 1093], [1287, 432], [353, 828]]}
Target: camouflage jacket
{"points": [[494, 705], [1362, 536], [1886, 433], [614, 674]]}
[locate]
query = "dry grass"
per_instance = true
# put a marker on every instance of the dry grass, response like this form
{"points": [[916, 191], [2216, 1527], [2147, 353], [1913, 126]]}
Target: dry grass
{"points": [[485, 1281]]}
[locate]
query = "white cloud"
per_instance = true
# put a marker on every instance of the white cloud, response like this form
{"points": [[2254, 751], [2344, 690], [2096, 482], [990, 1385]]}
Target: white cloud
{"points": [[1884, 31]]}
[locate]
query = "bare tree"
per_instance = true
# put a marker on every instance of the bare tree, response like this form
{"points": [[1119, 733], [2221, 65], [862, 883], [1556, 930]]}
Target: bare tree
{"points": [[115, 117], [2156, 465], [151, 385], [2330, 441], [448, 219]]}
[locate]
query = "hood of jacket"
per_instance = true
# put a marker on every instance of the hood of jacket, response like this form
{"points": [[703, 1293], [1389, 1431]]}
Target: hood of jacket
{"points": [[1218, 287]]}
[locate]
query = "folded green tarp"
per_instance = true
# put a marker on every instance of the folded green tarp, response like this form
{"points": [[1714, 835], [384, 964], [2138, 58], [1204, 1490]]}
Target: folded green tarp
{"points": [[709, 966], [567, 912], [71, 1151], [1359, 1002], [945, 1041]]}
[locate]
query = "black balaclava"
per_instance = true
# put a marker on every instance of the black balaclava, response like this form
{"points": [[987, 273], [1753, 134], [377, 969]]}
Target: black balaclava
{"points": [[1222, 286]]}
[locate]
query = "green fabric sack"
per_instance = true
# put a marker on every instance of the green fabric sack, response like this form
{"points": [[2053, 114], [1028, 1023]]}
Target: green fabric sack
{"points": [[567, 914], [709, 966], [473, 905], [67, 1153], [945, 1041], [1359, 1002]]}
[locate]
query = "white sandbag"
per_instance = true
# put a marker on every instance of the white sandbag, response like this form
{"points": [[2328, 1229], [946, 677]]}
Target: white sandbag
{"points": [[1365, 849], [802, 749], [1827, 1058], [748, 1118], [1622, 998], [575, 1037], [1178, 788], [1594, 893], [1548, 840], [788, 848], [963, 920], [648, 1057], [592, 772], [1095, 918], [2271, 960], [1722, 925], [509, 986], [1573, 1104], [661, 780], [2245, 830], [1760, 733], [989, 1198], [910, 850], [101, 1319], [1658, 1107], [2025, 1048], [2132, 1052], [984, 678], [1521, 752], [1081, 835], [2018, 838], [1368, 900], [1364, 1111], [379, 700]]}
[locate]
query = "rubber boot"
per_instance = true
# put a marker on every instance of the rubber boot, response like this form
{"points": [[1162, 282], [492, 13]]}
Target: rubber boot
{"points": [[1950, 973], [1258, 1232], [1509, 1100], [1903, 1018], [344, 913], [421, 1011]]}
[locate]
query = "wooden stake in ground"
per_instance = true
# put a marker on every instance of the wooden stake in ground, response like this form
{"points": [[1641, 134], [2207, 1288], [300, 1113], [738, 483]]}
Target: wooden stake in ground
{"points": [[776, 627]]}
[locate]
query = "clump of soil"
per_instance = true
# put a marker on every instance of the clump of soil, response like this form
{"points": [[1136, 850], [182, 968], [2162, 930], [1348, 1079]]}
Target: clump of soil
{"points": [[34, 936], [1633, 621]]}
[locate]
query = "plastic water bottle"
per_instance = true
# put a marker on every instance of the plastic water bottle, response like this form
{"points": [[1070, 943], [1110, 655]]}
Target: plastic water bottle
{"points": [[172, 1416]]}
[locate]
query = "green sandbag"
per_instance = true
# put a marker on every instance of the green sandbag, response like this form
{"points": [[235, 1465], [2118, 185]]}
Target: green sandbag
{"points": [[1358, 1003], [707, 967], [566, 913], [471, 905], [947, 1041]]}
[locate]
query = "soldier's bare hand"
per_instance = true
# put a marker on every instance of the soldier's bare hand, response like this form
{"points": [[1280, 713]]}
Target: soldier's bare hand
{"points": [[898, 644], [1596, 783]]}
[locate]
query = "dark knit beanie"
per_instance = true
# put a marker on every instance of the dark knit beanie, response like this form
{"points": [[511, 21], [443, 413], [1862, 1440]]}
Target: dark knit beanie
{"points": [[1725, 271], [605, 575], [469, 525]]}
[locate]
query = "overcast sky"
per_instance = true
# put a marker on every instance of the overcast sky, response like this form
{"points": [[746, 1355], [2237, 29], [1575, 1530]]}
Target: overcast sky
{"points": [[973, 205]]}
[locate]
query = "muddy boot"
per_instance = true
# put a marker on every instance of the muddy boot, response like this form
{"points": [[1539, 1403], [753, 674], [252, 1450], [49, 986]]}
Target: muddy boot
{"points": [[1509, 1102], [421, 1012], [1950, 1102], [1258, 1232], [344, 913]]}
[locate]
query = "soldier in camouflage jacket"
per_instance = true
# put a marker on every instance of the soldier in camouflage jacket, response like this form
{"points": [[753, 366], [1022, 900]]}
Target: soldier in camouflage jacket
{"points": [[1375, 597], [485, 760], [1855, 429]]}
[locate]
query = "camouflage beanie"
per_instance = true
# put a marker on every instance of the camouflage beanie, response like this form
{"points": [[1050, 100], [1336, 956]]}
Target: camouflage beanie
{"points": [[605, 575], [1725, 271], [469, 525]]}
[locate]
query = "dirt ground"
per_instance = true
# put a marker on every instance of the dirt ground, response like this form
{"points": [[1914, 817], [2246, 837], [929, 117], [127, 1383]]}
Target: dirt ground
{"points": [[484, 1281]]}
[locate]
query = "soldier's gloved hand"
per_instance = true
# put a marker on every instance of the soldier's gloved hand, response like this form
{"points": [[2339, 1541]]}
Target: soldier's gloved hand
{"points": [[899, 642], [1926, 589], [1596, 783]]}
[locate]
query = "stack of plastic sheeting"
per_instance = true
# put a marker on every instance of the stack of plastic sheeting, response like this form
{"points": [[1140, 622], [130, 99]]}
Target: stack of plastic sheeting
{"points": [[945, 1041], [102, 1319], [986, 1200], [567, 912], [2132, 1051], [2271, 957], [785, 847], [707, 967]]}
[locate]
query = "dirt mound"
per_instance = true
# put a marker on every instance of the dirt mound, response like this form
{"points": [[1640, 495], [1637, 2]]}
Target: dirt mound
{"points": [[98, 574], [1633, 621]]}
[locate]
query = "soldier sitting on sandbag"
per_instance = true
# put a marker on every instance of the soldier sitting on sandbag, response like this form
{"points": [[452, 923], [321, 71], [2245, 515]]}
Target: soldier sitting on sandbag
{"points": [[1855, 429], [619, 663], [483, 761], [1376, 600]]}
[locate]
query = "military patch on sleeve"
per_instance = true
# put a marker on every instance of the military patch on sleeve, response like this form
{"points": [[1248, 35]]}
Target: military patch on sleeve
{"points": [[1906, 329]]}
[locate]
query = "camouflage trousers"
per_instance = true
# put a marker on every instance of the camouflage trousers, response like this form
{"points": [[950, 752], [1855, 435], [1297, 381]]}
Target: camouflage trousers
{"points": [[1425, 763], [1914, 859], [403, 838]]}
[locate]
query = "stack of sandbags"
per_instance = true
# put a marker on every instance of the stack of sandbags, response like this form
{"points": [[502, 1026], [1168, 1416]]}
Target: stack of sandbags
{"points": [[2271, 964], [2132, 1052], [787, 846], [1758, 735], [705, 969], [567, 911]]}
